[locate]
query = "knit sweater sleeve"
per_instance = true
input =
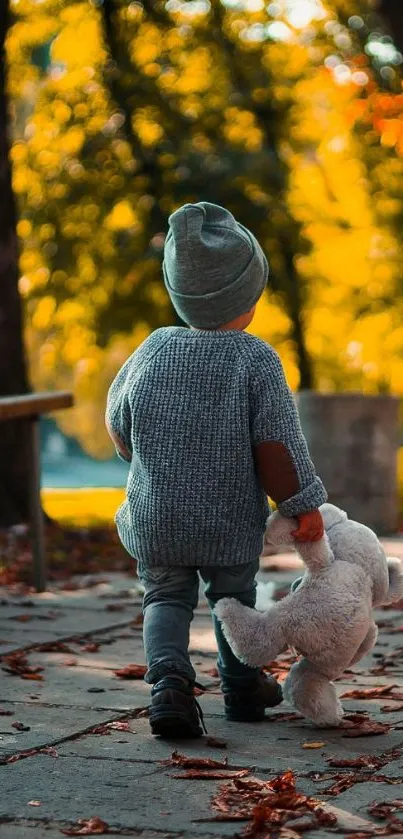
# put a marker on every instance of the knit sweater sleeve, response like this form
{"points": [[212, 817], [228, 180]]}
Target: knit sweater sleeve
{"points": [[118, 417], [281, 453]]}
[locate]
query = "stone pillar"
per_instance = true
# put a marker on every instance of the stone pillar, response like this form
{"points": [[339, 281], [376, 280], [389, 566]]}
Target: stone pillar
{"points": [[353, 440]]}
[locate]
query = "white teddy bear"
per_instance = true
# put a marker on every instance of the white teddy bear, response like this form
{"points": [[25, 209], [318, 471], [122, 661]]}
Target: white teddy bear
{"points": [[327, 619]]}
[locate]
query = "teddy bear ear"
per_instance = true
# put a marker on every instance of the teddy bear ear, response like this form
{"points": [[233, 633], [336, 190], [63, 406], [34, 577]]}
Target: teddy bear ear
{"points": [[279, 530]]}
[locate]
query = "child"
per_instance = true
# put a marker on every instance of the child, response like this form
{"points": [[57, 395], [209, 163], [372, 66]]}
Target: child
{"points": [[209, 426]]}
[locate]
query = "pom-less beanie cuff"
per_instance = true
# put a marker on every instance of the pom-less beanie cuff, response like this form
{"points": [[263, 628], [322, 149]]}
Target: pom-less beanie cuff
{"points": [[212, 279]]}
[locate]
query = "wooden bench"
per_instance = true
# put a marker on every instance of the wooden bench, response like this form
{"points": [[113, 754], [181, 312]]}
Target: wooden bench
{"points": [[30, 407]]}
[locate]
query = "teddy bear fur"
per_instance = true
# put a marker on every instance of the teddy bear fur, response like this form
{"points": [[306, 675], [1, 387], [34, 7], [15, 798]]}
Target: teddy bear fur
{"points": [[327, 619]]}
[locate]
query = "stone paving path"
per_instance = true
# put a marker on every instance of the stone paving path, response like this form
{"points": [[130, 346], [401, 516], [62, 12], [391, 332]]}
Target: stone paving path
{"points": [[75, 744]]}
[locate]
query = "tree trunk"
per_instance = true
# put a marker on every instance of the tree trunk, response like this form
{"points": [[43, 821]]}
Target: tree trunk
{"points": [[14, 436], [392, 13]]}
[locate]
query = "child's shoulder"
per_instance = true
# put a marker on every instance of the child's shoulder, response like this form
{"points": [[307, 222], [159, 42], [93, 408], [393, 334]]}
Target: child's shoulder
{"points": [[259, 351]]}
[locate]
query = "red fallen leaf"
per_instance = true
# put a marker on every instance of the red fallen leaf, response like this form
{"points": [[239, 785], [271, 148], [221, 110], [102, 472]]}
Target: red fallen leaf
{"points": [[205, 774], [89, 827], [368, 728], [384, 809], [119, 725], [215, 743], [4, 713], [92, 647], [198, 691], [107, 727], [20, 726], [49, 750], [390, 709], [284, 716], [270, 807], [131, 671], [358, 717], [213, 672], [138, 621], [361, 762], [22, 618], [341, 783], [17, 665], [46, 750], [70, 662], [54, 647], [33, 677], [368, 693], [141, 712], [177, 759]]}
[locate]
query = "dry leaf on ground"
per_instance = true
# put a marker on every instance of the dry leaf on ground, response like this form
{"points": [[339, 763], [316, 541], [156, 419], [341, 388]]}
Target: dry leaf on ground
{"points": [[131, 671], [212, 775], [315, 745], [87, 827], [368, 693], [177, 759]]}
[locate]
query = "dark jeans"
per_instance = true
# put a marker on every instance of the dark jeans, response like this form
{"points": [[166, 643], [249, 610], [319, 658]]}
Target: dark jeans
{"points": [[171, 595]]}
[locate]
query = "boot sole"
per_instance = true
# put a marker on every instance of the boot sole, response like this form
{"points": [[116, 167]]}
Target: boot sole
{"points": [[173, 726]]}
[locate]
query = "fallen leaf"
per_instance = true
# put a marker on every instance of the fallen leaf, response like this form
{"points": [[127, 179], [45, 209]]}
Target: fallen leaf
{"points": [[17, 665], [177, 759], [4, 713], [368, 693], [209, 775], [131, 671], [54, 647], [22, 618], [216, 743], [368, 728], [361, 762], [272, 806], [70, 662], [340, 784], [318, 745], [390, 709], [87, 827], [384, 809], [92, 647], [34, 803], [114, 725], [20, 726], [33, 677], [284, 716]]}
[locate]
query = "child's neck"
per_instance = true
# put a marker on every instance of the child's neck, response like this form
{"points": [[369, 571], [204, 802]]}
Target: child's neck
{"points": [[239, 324]]}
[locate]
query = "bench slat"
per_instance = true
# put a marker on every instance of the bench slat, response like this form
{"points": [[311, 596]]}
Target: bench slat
{"points": [[34, 404]]}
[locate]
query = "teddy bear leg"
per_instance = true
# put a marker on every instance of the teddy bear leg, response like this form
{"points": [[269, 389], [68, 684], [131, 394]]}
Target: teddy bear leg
{"points": [[313, 695], [367, 644]]}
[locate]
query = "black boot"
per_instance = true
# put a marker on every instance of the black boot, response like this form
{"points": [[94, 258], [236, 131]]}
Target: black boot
{"points": [[247, 704], [174, 712]]}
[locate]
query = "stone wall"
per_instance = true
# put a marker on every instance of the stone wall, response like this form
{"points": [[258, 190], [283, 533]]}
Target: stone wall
{"points": [[353, 440]]}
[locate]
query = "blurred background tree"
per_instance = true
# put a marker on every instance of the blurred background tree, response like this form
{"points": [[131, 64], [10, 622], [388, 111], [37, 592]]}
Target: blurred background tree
{"points": [[14, 439], [290, 113]]}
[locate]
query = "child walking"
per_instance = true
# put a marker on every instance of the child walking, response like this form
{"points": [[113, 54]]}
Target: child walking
{"points": [[206, 419]]}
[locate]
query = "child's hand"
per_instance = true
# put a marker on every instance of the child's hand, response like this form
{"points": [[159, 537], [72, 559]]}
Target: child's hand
{"points": [[310, 527]]}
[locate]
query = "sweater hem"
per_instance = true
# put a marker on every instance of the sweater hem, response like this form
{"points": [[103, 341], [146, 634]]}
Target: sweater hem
{"points": [[200, 553]]}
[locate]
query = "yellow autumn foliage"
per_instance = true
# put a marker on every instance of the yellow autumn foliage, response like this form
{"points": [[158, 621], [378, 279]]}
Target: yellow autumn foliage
{"points": [[271, 109]]}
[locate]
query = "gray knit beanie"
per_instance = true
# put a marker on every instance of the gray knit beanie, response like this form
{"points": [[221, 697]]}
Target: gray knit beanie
{"points": [[214, 268]]}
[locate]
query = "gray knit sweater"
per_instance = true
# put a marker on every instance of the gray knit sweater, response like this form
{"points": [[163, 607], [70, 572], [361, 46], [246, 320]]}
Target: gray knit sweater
{"points": [[200, 412]]}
